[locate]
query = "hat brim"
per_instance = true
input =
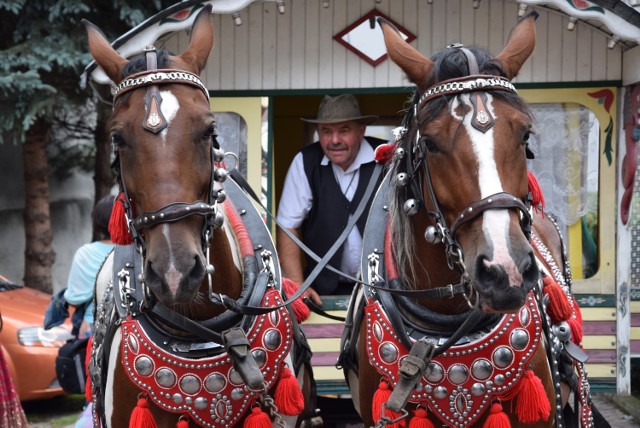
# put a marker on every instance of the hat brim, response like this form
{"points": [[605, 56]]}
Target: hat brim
{"points": [[367, 120]]}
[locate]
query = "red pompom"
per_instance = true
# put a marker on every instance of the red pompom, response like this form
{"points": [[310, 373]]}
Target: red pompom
{"points": [[536, 192], [183, 422], [576, 330], [288, 397], [380, 397], [141, 416], [384, 153], [420, 419], [559, 308], [300, 309], [118, 228], [533, 404], [497, 418], [257, 419]]}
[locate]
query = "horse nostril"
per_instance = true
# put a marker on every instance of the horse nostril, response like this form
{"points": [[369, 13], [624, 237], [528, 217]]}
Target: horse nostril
{"points": [[530, 272], [489, 274]]}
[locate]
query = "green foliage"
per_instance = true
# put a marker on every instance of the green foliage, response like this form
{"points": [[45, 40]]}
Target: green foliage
{"points": [[43, 51]]}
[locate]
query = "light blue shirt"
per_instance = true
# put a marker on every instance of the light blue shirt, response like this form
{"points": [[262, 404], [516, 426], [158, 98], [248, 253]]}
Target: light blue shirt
{"points": [[82, 276]]}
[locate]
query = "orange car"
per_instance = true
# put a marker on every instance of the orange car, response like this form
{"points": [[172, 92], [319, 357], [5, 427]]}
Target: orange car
{"points": [[29, 349]]}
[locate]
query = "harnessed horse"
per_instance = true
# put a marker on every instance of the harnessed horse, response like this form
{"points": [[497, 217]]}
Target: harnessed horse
{"points": [[466, 315], [192, 327]]}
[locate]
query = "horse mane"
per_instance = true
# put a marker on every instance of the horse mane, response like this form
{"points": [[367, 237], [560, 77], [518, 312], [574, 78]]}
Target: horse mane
{"points": [[139, 63], [449, 63]]}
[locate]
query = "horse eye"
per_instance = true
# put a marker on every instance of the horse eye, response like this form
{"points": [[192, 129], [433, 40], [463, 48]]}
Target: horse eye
{"points": [[117, 140], [209, 133], [430, 144], [525, 137]]}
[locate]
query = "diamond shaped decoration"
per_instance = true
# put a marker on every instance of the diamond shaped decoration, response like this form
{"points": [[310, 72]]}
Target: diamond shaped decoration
{"points": [[364, 37]]}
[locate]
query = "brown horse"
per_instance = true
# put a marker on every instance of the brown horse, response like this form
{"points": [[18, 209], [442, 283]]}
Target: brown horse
{"points": [[166, 344], [452, 327]]}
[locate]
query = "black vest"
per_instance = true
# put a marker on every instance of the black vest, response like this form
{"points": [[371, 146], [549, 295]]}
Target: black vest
{"points": [[330, 211]]}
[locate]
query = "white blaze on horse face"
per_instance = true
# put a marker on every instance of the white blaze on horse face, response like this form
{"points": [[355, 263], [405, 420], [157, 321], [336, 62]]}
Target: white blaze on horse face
{"points": [[173, 275], [495, 223], [169, 108]]}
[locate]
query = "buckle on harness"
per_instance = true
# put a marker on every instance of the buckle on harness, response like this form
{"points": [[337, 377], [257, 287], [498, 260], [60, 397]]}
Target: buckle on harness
{"points": [[449, 291]]}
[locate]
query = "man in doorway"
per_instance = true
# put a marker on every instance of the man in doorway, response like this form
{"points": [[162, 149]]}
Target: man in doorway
{"points": [[323, 187]]}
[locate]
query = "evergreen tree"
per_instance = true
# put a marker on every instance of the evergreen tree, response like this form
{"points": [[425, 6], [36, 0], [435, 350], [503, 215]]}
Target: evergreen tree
{"points": [[43, 51]]}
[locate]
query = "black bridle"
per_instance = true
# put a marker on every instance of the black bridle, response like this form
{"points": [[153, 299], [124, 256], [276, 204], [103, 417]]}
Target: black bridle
{"points": [[155, 122], [415, 174]]}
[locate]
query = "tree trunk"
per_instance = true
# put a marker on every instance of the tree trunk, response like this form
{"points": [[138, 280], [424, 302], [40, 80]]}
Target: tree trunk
{"points": [[103, 178], [38, 255]]}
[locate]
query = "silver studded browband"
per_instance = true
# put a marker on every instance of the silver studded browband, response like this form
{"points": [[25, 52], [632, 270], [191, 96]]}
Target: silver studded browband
{"points": [[467, 84], [156, 77]]}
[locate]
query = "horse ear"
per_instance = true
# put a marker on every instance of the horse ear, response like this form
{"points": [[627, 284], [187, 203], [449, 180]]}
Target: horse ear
{"points": [[520, 44], [416, 67], [200, 43], [106, 57]]}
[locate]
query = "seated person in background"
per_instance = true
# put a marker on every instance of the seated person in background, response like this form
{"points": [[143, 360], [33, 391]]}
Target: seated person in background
{"points": [[87, 262], [322, 189]]}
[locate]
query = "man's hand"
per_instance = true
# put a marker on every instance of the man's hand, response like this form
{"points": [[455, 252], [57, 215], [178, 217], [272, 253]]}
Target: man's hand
{"points": [[313, 296]]}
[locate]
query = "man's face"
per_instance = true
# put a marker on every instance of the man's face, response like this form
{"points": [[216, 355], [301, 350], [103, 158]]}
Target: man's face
{"points": [[341, 141]]}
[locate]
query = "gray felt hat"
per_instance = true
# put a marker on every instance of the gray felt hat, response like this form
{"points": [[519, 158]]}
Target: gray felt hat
{"points": [[341, 108]]}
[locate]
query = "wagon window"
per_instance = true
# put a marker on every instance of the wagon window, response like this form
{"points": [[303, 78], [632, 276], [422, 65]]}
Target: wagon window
{"points": [[566, 148]]}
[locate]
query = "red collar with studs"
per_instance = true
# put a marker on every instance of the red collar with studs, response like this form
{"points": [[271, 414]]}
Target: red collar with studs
{"points": [[463, 380], [208, 389]]}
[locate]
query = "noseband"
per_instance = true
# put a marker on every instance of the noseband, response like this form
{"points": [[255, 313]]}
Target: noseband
{"points": [[155, 122], [417, 168]]}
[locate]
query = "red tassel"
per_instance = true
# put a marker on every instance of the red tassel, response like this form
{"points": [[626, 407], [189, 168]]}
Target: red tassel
{"points": [[380, 397], [420, 419], [576, 311], [497, 418], [384, 153], [559, 308], [300, 310], [118, 228], [141, 416], [536, 191], [288, 397], [257, 419], [576, 330], [183, 422], [88, 394], [533, 403]]}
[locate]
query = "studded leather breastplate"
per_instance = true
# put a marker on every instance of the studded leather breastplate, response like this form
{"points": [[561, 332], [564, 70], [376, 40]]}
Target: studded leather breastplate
{"points": [[463, 380], [209, 389]]}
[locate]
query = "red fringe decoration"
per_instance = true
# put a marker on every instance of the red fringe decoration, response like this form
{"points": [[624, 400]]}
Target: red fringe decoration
{"points": [[257, 419], [420, 419], [536, 192], [576, 311], [384, 153], [533, 403], [88, 394], [380, 397], [141, 416], [183, 423], [576, 330], [118, 228], [300, 309], [497, 418], [559, 308], [288, 397]]}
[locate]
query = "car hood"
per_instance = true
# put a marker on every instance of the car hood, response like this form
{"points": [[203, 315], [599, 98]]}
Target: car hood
{"points": [[24, 306]]}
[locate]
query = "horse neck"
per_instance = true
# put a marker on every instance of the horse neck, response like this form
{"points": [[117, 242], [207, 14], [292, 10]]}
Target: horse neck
{"points": [[432, 270]]}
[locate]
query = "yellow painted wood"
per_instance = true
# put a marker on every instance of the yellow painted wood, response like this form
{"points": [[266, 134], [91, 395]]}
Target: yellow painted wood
{"points": [[327, 373], [635, 306], [598, 314], [599, 342], [635, 333], [600, 370], [575, 229], [319, 319], [325, 344]]}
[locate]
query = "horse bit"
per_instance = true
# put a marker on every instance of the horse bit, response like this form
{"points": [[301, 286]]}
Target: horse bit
{"points": [[418, 169]]}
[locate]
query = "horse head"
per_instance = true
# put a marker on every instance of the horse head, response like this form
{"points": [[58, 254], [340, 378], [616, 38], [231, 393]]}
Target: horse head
{"points": [[162, 131], [461, 166]]}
